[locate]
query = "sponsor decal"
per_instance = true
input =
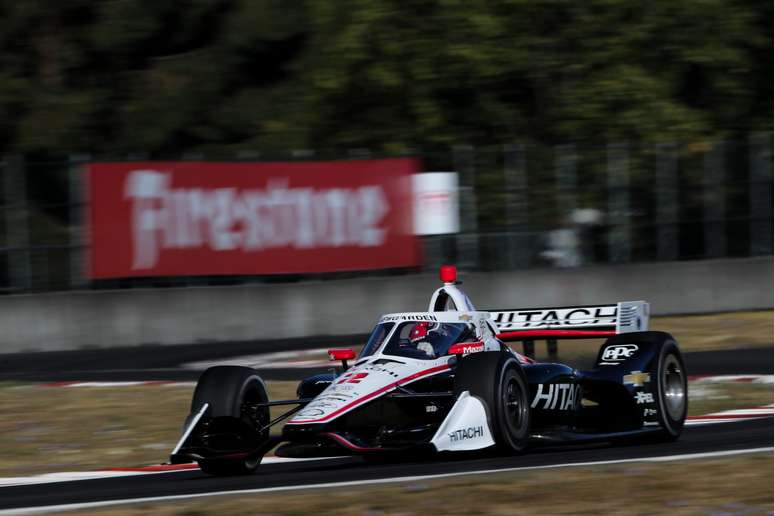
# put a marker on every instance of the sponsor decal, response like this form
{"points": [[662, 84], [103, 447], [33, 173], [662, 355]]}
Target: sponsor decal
{"points": [[310, 412], [327, 403], [643, 397], [557, 396], [598, 316], [431, 409], [619, 352], [409, 317], [208, 218], [466, 349], [339, 387], [636, 378], [351, 378], [648, 412], [335, 398], [472, 432]]}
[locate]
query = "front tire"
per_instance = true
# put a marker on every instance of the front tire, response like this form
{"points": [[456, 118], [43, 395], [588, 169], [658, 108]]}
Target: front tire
{"points": [[231, 393], [496, 378]]}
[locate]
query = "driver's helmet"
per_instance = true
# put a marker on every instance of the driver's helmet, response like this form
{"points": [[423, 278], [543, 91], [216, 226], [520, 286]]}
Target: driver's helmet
{"points": [[419, 332], [418, 337]]}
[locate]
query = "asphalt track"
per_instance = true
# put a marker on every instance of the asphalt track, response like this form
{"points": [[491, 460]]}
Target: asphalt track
{"points": [[164, 362], [699, 439]]}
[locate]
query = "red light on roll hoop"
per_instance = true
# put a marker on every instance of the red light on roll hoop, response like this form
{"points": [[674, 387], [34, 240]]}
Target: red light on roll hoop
{"points": [[341, 354], [448, 273]]}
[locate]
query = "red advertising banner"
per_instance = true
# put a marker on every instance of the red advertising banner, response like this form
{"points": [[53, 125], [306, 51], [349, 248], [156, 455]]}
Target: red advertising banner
{"points": [[240, 218]]}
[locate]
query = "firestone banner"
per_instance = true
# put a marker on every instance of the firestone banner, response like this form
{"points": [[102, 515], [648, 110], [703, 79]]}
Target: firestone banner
{"points": [[209, 218]]}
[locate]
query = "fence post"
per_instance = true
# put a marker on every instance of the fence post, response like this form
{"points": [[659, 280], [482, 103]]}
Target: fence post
{"points": [[667, 215], [760, 194], [619, 236], [714, 203], [517, 206], [467, 242], [17, 223], [78, 197]]}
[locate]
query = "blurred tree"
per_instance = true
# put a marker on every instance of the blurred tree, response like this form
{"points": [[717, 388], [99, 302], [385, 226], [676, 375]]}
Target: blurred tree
{"points": [[219, 76]]}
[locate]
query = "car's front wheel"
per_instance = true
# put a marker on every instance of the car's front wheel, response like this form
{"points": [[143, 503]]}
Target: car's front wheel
{"points": [[497, 379], [234, 422]]}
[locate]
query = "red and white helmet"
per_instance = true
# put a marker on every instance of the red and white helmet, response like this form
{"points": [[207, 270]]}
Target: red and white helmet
{"points": [[419, 332]]}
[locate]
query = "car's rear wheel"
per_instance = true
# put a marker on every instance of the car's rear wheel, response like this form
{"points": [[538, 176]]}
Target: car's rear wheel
{"points": [[671, 390], [497, 379], [233, 421]]}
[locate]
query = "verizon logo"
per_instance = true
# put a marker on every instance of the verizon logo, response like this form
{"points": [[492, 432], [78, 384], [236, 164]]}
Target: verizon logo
{"points": [[232, 219]]}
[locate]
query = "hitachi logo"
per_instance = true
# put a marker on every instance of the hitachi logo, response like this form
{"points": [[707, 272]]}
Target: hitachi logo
{"points": [[557, 396], [472, 432], [558, 317]]}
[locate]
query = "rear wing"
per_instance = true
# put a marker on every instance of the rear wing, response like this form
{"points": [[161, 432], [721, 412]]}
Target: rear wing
{"points": [[573, 322]]}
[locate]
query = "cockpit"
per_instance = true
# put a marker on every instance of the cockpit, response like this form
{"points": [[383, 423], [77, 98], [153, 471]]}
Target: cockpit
{"points": [[424, 340]]}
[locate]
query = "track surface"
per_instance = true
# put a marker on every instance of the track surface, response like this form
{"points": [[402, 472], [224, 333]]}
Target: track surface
{"points": [[732, 436], [164, 362]]}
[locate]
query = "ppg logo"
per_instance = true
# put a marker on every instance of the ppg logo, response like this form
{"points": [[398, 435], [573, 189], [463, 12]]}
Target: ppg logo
{"points": [[619, 353]]}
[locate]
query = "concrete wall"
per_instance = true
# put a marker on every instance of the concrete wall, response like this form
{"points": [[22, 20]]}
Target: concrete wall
{"points": [[71, 320]]}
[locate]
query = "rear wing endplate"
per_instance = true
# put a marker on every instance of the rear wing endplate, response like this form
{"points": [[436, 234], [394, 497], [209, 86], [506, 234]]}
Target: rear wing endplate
{"points": [[573, 322]]}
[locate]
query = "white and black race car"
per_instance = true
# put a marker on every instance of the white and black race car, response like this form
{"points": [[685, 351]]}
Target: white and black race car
{"points": [[445, 381]]}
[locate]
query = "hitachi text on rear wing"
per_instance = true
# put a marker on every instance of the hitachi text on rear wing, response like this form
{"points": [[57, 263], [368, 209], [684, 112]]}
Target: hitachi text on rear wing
{"points": [[570, 322]]}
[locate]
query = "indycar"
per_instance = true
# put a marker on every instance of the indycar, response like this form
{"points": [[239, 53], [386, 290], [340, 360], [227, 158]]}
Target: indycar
{"points": [[445, 381]]}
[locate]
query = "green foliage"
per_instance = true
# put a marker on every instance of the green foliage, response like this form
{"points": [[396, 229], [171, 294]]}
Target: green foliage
{"points": [[221, 76]]}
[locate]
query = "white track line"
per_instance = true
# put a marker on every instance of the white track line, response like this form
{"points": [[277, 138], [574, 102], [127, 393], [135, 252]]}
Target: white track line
{"points": [[392, 480]]}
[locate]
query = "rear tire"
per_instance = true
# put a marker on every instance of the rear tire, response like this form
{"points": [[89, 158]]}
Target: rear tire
{"points": [[671, 391], [496, 378], [230, 391], [659, 356]]}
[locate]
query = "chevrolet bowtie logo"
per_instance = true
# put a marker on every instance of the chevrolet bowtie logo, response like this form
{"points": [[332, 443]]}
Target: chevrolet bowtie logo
{"points": [[636, 378], [466, 317]]}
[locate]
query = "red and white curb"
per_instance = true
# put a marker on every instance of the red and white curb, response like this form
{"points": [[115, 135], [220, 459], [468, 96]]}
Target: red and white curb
{"points": [[67, 476], [729, 416], [733, 378], [303, 358], [153, 383]]}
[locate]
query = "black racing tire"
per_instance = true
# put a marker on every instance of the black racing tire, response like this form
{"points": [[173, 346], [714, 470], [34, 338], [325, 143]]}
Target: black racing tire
{"points": [[497, 379], [229, 390], [670, 390]]}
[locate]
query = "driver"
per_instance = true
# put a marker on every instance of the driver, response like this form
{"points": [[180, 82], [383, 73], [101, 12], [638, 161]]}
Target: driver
{"points": [[419, 336]]}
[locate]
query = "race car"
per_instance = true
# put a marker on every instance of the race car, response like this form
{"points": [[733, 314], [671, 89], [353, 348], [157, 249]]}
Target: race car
{"points": [[445, 381]]}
